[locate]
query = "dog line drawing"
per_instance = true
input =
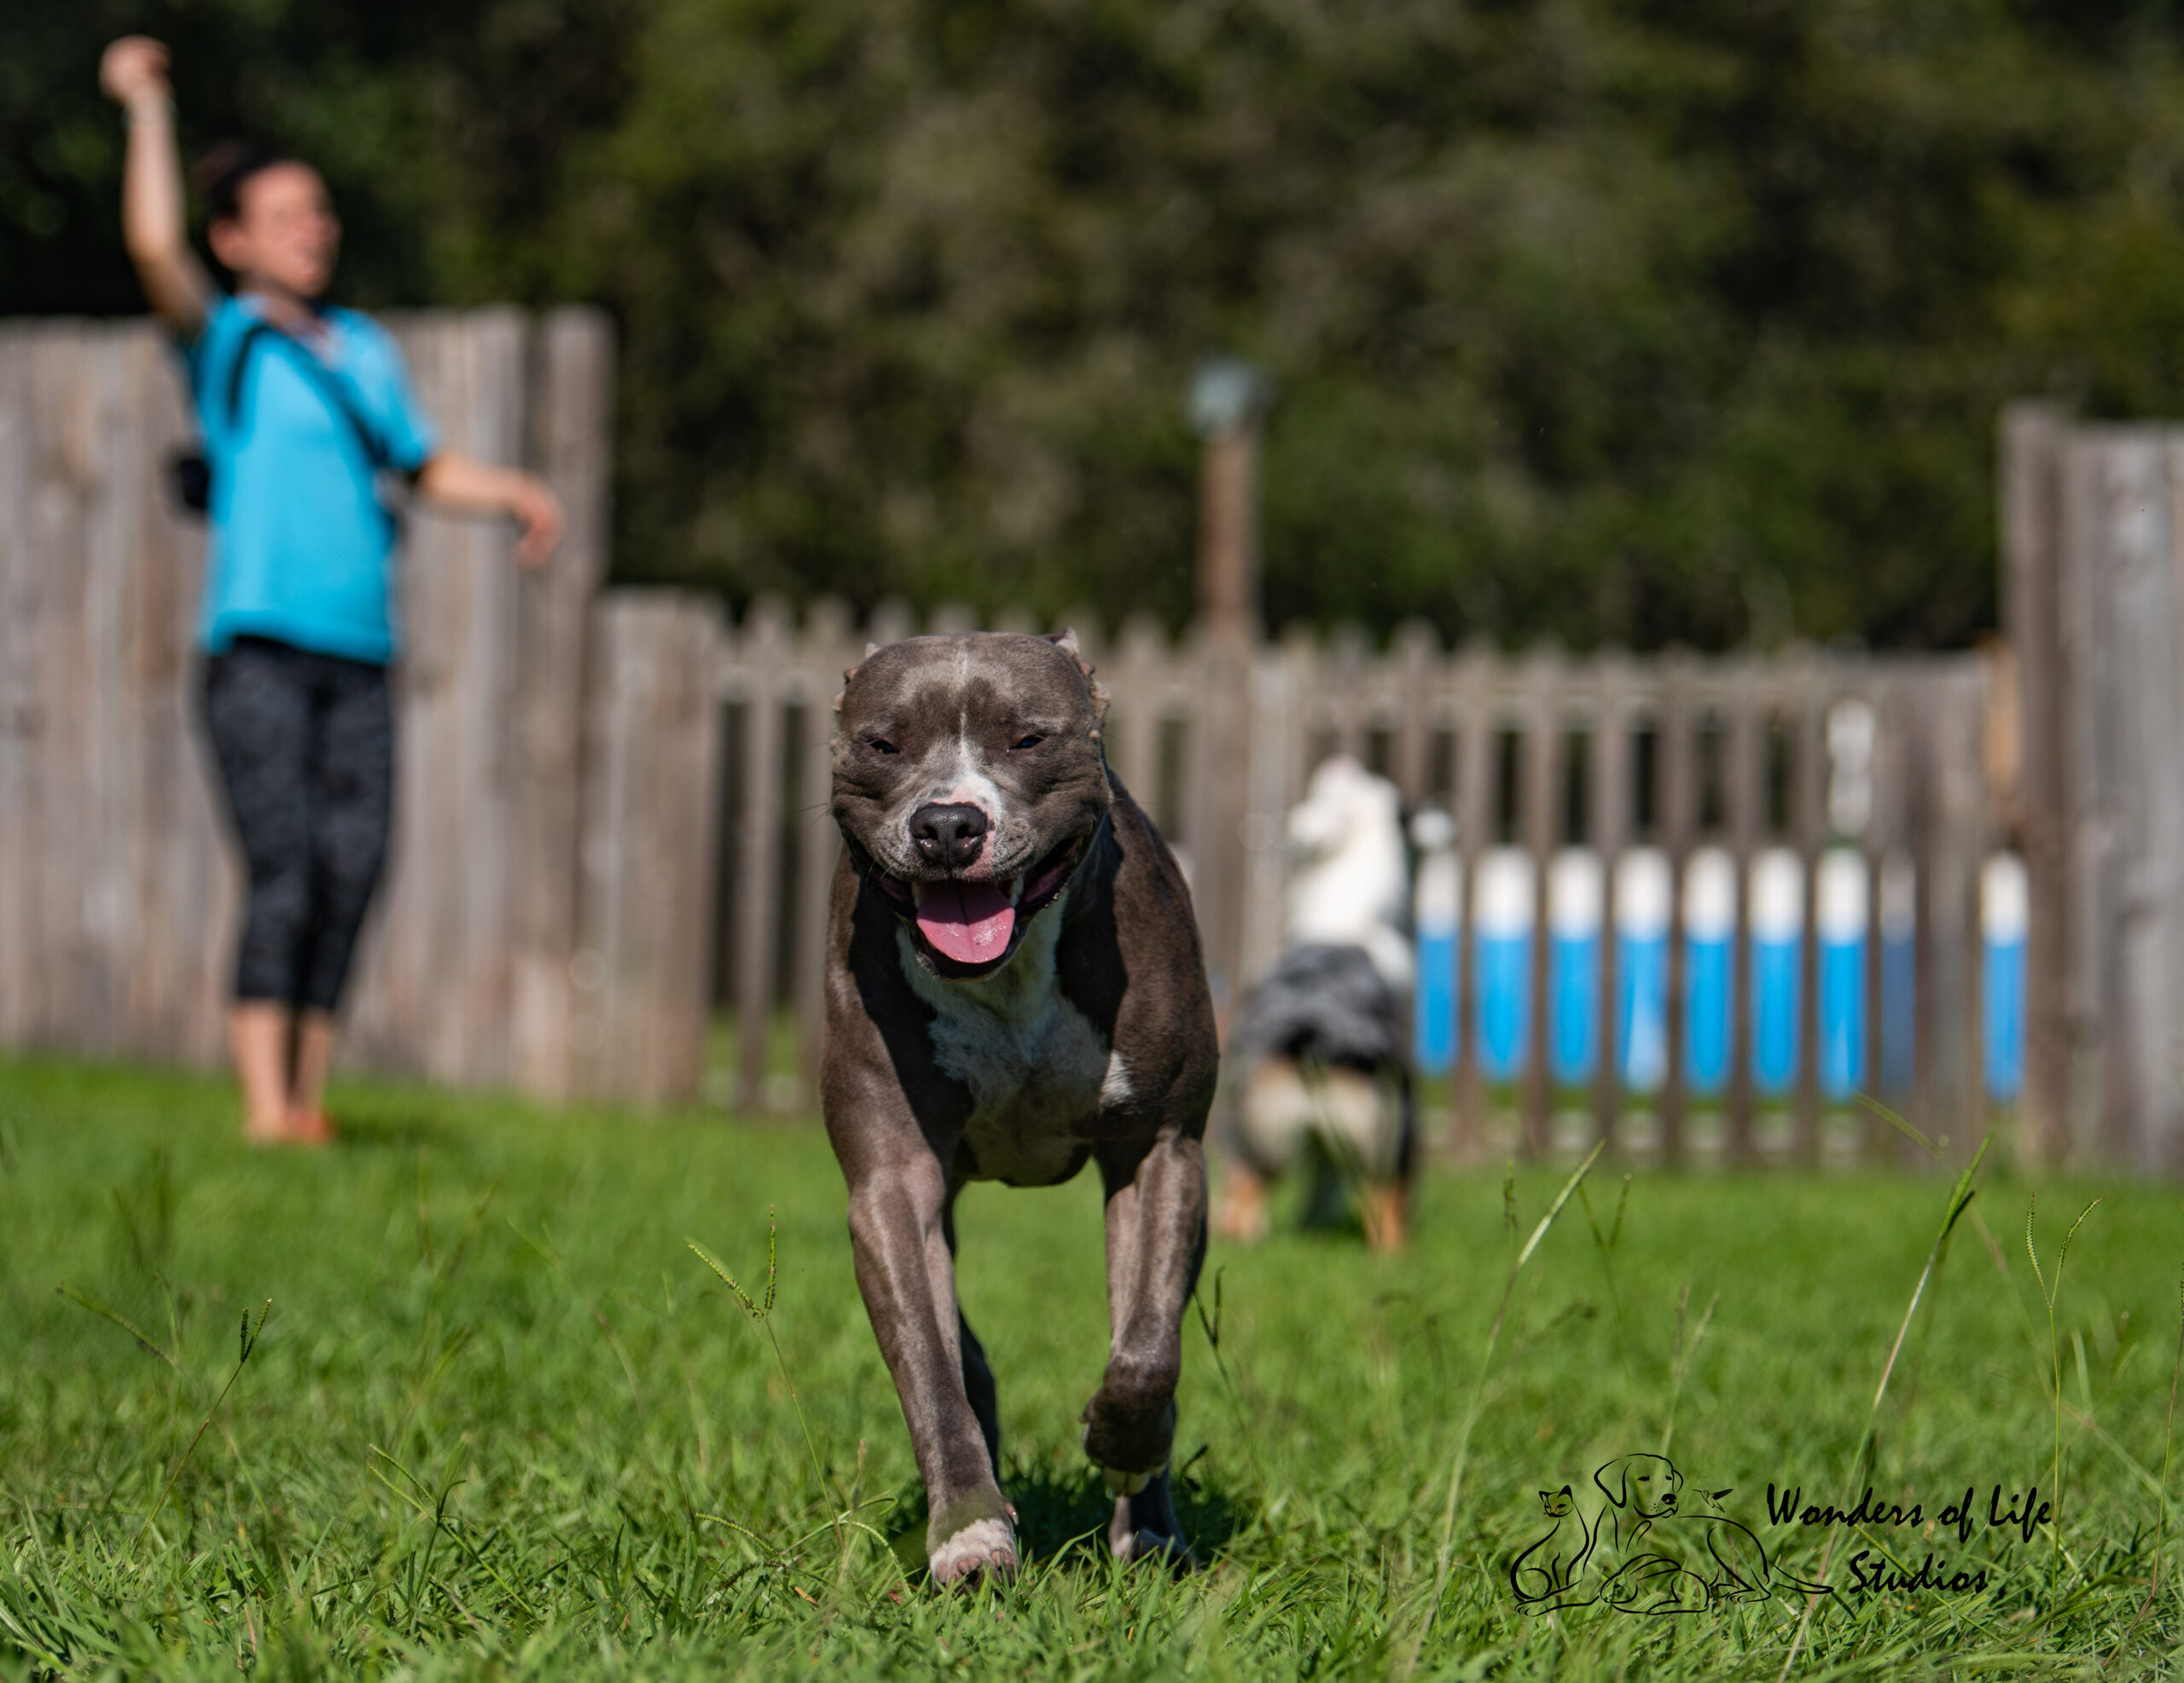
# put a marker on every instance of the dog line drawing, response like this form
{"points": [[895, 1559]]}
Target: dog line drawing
{"points": [[1648, 1550]]}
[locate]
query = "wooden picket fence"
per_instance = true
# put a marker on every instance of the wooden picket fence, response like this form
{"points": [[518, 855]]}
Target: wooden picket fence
{"points": [[522, 939], [611, 816], [1542, 752]]}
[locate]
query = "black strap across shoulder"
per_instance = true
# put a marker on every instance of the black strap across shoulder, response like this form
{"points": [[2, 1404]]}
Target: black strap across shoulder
{"points": [[190, 469], [300, 355]]}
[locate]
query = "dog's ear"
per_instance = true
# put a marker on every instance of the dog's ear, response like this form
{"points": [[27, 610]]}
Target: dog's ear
{"points": [[1065, 641], [1618, 1470], [848, 673]]}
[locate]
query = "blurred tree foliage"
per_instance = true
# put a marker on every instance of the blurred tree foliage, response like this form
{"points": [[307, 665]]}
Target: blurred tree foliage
{"points": [[1631, 321]]}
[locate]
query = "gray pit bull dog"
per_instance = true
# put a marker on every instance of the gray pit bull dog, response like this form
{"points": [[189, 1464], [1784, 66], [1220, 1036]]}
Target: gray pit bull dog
{"points": [[1014, 988]]}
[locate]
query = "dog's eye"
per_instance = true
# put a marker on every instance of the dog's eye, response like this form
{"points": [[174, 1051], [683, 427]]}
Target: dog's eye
{"points": [[880, 745], [1031, 741]]}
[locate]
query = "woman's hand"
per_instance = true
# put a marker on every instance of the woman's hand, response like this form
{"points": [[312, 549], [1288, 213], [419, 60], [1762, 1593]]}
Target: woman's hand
{"points": [[539, 511], [455, 481], [133, 71]]}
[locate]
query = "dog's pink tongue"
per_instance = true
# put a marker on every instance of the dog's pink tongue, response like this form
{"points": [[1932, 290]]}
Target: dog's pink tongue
{"points": [[969, 922]]}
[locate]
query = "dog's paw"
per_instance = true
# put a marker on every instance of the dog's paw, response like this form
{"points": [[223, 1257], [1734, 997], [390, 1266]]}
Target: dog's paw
{"points": [[983, 1547], [1128, 1544]]}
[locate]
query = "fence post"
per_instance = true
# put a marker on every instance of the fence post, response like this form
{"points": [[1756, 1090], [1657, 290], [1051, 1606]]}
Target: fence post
{"points": [[572, 408], [1612, 824], [2122, 646], [1475, 669], [1540, 804], [1808, 828], [824, 653], [765, 638], [1677, 805], [2031, 521], [1744, 775], [650, 846], [433, 980]]}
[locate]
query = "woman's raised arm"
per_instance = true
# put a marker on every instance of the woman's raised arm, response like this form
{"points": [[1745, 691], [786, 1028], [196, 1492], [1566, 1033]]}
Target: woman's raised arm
{"points": [[133, 72]]}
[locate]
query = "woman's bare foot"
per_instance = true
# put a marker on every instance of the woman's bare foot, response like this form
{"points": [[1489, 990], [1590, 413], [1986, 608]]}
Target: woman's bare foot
{"points": [[311, 1128], [266, 1130]]}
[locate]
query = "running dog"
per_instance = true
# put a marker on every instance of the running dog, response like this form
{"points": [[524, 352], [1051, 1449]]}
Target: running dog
{"points": [[1014, 988], [1321, 1044]]}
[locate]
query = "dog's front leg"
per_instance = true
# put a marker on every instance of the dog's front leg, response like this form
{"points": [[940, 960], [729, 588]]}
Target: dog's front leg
{"points": [[1156, 1239], [896, 1207]]}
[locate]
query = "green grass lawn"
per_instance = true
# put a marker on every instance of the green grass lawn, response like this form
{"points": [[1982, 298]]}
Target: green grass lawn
{"points": [[500, 1421]]}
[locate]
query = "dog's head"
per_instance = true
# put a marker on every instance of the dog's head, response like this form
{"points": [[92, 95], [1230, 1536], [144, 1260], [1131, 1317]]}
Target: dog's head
{"points": [[968, 780], [1645, 1485], [1345, 804]]}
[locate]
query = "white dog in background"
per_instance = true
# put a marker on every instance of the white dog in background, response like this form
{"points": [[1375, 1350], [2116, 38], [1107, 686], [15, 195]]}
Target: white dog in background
{"points": [[1321, 1046]]}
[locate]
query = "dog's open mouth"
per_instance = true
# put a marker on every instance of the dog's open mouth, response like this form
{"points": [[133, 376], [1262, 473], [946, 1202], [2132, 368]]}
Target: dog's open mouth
{"points": [[972, 926]]}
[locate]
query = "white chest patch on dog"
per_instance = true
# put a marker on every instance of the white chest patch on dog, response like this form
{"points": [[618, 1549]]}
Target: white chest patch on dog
{"points": [[1037, 1070]]}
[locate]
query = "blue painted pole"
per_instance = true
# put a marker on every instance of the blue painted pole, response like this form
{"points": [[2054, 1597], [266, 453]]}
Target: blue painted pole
{"points": [[1507, 905], [1643, 882], [1777, 918], [1841, 911], [1575, 883], [1437, 914], [1899, 973], [1709, 921], [2005, 908]]}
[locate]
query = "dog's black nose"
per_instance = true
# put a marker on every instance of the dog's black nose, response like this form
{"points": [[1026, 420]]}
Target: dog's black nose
{"points": [[949, 834]]}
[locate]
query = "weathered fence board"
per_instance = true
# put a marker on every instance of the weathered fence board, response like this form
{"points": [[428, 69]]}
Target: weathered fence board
{"points": [[2094, 546], [650, 807]]}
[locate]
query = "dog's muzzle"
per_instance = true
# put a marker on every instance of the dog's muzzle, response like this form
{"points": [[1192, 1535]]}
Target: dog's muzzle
{"points": [[970, 928]]}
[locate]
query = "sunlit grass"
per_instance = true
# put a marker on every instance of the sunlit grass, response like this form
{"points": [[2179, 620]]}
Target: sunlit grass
{"points": [[501, 1419]]}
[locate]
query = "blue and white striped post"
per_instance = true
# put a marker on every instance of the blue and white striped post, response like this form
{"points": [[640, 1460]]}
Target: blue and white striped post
{"points": [[1840, 891], [1642, 883], [1507, 904], [1777, 924], [1710, 927], [1899, 971], [1437, 915], [1574, 894], [2005, 908]]}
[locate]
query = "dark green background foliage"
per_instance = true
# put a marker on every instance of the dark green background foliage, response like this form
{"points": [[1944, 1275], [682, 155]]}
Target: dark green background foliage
{"points": [[1606, 321]]}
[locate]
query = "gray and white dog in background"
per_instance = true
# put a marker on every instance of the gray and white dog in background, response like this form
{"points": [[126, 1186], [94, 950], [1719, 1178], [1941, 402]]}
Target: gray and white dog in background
{"points": [[1321, 1049]]}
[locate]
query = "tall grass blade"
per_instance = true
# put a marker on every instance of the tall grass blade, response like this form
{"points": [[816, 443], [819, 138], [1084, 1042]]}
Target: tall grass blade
{"points": [[1959, 1199], [1441, 1552]]}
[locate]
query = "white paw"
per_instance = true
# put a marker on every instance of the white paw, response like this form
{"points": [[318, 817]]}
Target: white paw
{"points": [[1130, 1543], [983, 1546]]}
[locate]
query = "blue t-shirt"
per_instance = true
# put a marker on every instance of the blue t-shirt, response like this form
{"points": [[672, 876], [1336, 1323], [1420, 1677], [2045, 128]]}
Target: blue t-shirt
{"points": [[302, 546]]}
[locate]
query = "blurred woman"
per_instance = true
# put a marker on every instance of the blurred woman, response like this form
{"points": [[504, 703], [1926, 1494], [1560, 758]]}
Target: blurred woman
{"points": [[302, 406]]}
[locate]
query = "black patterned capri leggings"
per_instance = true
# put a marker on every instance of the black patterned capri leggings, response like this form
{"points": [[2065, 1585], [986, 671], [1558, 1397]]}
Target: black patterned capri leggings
{"points": [[305, 746]]}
